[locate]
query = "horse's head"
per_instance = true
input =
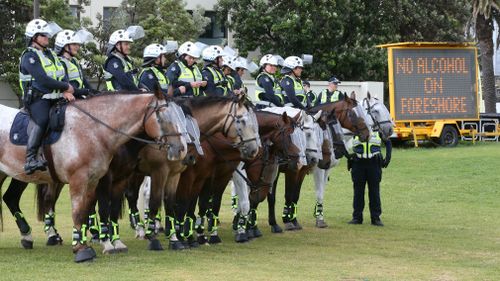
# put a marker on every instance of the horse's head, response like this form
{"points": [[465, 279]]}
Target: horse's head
{"points": [[314, 137], [335, 136], [352, 117], [167, 127], [379, 116], [241, 125]]}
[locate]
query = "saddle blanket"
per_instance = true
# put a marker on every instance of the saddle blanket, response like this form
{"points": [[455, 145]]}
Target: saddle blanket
{"points": [[19, 131]]}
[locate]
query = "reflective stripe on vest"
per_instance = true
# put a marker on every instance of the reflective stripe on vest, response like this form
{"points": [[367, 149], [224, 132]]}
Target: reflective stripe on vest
{"points": [[190, 75], [218, 77], [276, 87], [160, 77], [368, 149], [333, 98], [299, 90], [230, 82], [74, 71], [127, 66], [53, 69]]}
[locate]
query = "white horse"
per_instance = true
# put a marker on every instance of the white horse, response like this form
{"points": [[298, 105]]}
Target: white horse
{"points": [[378, 118]]}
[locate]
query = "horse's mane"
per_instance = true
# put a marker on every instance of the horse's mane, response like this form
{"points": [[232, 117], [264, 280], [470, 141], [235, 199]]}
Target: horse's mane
{"points": [[318, 107], [206, 101]]}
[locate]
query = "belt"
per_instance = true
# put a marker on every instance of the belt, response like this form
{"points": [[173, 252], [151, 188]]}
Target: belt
{"points": [[265, 103], [52, 96]]}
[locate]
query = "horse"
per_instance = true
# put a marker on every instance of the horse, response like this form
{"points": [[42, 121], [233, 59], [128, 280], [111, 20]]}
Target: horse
{"points": [[379, 119], [94, 129]]}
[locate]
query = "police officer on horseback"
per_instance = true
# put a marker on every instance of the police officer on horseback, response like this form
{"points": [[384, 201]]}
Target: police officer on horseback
{"points": [[291, 82], [268, 90], [43, 81], [66, 46], [331, 94], [184, 72], [217, 85], [118, 70], [153, 72]]}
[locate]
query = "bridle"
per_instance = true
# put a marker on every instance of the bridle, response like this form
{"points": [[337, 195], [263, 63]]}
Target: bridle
{"points": [[376, 123], [233, 117]]}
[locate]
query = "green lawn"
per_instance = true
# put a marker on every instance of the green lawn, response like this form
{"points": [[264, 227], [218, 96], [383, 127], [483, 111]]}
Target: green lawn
{"points": [[441, 209]]}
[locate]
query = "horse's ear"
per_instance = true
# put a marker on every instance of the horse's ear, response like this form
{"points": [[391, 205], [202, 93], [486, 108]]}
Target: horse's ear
{"points": [[317, 115], [157, 91], [368, 95], [353, 95], [284, 116]]}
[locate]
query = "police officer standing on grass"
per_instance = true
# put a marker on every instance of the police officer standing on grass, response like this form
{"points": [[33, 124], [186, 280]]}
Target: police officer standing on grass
{"points": [[291, 82], [184, 74], [311, 97], [366, 167], [67, 46], [331, 94], [118, 70], [217, 85], [153, 72], [43, 82], [268, 90]]}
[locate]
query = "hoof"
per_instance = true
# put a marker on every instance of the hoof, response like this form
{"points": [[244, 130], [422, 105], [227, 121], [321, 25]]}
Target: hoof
{"points": [[54, 240], [108, 248], [155, 245], [120, 247], [214, 239], [84, 255], [202, 239], [289, 226], [241, 237], [193, 243], [250, 234], [297, 225], [275, 228], [176, 245], [27, 244], [320, 223], [140, 233], [256, 232]]}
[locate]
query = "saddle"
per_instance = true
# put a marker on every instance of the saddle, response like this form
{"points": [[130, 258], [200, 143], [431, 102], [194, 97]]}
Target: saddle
{"points": [[19, 130]]}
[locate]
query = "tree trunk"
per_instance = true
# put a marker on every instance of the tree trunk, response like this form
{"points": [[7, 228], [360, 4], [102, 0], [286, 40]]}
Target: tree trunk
{"points": [[36, 9], [484, 33]]}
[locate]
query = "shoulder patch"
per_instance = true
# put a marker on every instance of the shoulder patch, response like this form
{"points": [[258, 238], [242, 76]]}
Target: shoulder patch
{"points": [[115, 65], [267, 79], [32, 60], [288, 82], [150, 76]]}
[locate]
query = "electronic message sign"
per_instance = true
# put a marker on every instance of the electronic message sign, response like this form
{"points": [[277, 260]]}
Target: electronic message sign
{"points": [[434, 83]]}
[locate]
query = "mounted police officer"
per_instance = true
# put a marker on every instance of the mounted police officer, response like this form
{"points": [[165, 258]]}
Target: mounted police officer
{"points": [[217, 85], [291, 82], [118, 70], [43, 82], [229, 71], [331, 94], [184, 72], [268, 90], [153, 72], [67, 46], [240, 65], [366, 167]]}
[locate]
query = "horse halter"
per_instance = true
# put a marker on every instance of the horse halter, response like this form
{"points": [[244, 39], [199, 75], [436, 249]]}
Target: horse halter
{"points": [[238, 121], [369, 109], [161, 141]]}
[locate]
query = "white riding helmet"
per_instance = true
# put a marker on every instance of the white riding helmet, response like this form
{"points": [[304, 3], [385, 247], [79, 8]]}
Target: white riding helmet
{"points": [[189, 48], [211, 53], [154, 51], [269, 59], [39, 26], [119, 35], [230, 62], [240, 62], [66, 37], [292, 62]]}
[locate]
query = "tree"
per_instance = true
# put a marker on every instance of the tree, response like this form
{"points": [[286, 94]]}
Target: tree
{"points": [[484, 14], [341, 34]]}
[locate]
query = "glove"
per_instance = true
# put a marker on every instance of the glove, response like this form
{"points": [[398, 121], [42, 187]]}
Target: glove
{"points": [[387, 160]]}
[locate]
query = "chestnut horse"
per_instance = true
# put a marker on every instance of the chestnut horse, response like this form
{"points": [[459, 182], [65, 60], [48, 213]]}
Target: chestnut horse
{"points": [[94, 129]]}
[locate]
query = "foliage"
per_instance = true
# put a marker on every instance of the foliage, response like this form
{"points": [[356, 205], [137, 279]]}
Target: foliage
{"points": [[341, 34]]}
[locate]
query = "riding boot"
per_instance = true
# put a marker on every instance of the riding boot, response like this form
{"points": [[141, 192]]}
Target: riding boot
{"points": [[318, 214], [34, 141]]}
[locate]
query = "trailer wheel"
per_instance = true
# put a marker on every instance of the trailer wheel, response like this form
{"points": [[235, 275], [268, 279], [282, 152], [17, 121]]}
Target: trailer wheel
{"points": [[449, 136]]}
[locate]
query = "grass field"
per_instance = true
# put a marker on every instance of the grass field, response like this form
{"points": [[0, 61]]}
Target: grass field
{"points": [[441, 208]]}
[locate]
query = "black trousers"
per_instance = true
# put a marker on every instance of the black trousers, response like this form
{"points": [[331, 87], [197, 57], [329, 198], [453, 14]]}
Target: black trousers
{"points": [[365, 171], [39, 111]]}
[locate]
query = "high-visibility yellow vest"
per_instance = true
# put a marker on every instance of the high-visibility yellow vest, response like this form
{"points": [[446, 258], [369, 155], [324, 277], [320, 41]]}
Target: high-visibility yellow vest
{"points": [[333, 98], [74, 71], [190, 75], [368, 149], [230, 82], [259, 90], [53, 69], [127, 66], [160, 76], [299, 89], [218, 77]]}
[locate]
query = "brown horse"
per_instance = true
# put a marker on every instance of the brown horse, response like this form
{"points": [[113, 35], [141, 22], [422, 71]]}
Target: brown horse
{"points": [[218, 164], [94, 130]]}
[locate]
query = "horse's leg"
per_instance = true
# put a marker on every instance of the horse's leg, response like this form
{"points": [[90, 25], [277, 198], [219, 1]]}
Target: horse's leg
{"points": [[297, 185], [115, 209], [205, 206], [271, 202], [320, 180], [132, 194], [104, 200], [289, 209], [47, 196], [240, 220], [12, 197], [158, 182]]}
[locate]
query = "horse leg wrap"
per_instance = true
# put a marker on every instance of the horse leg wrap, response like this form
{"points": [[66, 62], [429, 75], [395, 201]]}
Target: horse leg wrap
{"points": [[242, 222], [78, 237], [104, 232], [188, 227], [318, 210], [294, 209], [234, 203], [236, 218], [169, 226], [49, 221], [22, 224], [200, 225], [94, 226], [287, 213], [135, 219], [115, 231], [150, 228], [212, 222], [252, 218], [146, 215]]}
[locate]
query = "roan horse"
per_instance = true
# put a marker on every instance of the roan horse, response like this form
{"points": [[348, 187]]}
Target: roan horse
{"points": [[95, 128]]}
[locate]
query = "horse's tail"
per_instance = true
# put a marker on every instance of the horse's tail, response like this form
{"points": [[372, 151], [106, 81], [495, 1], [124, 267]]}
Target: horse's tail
{"points": [[41, 191]]}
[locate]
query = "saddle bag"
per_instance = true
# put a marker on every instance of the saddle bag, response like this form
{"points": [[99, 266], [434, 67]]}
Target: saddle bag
{"points": [[57, 113]]}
